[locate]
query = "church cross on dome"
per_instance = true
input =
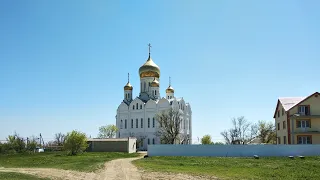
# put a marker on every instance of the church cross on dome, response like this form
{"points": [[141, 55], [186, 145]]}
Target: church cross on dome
{"points": [[128, 76], [149, 45], [169, 81]]}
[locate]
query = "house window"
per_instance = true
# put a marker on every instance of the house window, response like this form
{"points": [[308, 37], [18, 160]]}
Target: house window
{"points": [[132, 123], [141, 122], [148, 122], [304, 139], [153, 122], [278, 126], [137, 123], [303, 110], [284, 124], [282, 111], [279, 140], [121, 124], [148, 141], [303, 124], [125, 124], [133, 107], [284, 139], [153, 141], [140, 106]]}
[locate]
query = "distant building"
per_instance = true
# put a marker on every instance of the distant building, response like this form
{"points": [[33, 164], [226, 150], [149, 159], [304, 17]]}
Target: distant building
{"points": [[112, 145], [136, 116], [297, 120]]}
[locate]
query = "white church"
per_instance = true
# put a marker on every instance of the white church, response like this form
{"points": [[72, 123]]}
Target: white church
{"points": [[136, 116]]}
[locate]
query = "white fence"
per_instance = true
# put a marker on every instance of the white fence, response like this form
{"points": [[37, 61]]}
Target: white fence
{"points": [[233, 150]]}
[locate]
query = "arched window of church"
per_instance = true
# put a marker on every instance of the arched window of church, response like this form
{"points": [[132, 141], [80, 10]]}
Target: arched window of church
{"points": [[128, 96], [121, 124], [132, 123], [137, 105], [137, 123], [145, 86], [133, 107], [125, 124], [153, 122], [155, 92], [140, 106], [153, 141], [148, 122], [148, 141]]}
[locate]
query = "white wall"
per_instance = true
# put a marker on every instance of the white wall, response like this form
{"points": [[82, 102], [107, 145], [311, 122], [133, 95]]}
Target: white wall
{"points": [[233, 150], [132, 144]]}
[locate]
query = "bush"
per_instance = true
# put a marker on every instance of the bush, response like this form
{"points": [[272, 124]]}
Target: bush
{"points": [[75, 142]]}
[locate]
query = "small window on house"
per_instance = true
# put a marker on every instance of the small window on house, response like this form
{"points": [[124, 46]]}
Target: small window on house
{"points": [[132, 123], [141, 122], [133, 107], [153, 141], [303, 124], [278, 126], [284, 139], [125, 124], [137, 123], [140, 106], [304, 139], [148, 122], [153, 122], [304, 110], [148, 141], [284, 124]]}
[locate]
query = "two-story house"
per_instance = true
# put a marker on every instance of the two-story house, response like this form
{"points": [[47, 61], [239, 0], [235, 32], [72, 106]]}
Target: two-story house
{"points": [[297, 120]]}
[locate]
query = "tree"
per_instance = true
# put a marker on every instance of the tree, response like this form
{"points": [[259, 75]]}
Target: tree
{"points": [[108, 131], [75, 142], [59, 139], [15, 144], [206, 139], [266, 132], [32, 143], [242, 131], [169, 126]]}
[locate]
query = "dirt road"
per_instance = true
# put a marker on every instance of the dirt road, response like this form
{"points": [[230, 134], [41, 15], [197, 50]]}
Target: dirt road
{"points": [[119, 169]]}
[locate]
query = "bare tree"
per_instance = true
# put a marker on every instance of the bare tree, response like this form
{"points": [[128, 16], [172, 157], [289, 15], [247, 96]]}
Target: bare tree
{"points": [[241, 132], [59, 139], [169, 126]]}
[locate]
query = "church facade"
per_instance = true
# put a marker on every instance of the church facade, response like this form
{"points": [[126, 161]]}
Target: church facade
{"points": [[136, 117]]}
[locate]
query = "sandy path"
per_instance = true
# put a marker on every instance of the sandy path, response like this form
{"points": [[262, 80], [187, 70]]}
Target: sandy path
{"points": [[119, 169]]}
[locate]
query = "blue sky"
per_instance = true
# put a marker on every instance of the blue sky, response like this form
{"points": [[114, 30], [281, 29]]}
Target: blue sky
{"points": [[63, 64]]}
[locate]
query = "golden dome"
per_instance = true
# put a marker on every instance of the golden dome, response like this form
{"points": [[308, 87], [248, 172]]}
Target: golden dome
{"points": [[128, 87], [155, 83], [170, 89], [149, 69]]}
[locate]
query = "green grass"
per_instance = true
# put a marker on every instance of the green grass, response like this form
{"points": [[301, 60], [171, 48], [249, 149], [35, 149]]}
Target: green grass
{"points": [[18, 176], [236, 168], [86, 162]]}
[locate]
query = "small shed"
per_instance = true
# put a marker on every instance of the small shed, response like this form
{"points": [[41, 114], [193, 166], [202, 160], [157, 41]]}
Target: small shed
{"points": [[112, 145]]}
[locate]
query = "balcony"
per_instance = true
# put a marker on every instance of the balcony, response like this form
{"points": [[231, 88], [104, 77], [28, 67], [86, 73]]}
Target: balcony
{"points": [[307, 130]]}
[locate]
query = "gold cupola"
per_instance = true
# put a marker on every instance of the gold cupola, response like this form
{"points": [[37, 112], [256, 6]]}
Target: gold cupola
{"points": [[128, 86], [149, 68], [154, 83], [170, 88]]}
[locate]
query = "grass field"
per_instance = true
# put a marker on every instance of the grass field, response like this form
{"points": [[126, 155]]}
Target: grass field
{"points": [[236, 168], [85, 162], [18, 176]]}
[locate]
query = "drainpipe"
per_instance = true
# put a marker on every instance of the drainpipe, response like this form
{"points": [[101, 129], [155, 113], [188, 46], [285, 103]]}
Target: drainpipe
{"points": [[292, 133]]}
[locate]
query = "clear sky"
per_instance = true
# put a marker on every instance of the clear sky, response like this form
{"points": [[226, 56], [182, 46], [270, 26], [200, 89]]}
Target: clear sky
{"points": [[63, 64]]}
